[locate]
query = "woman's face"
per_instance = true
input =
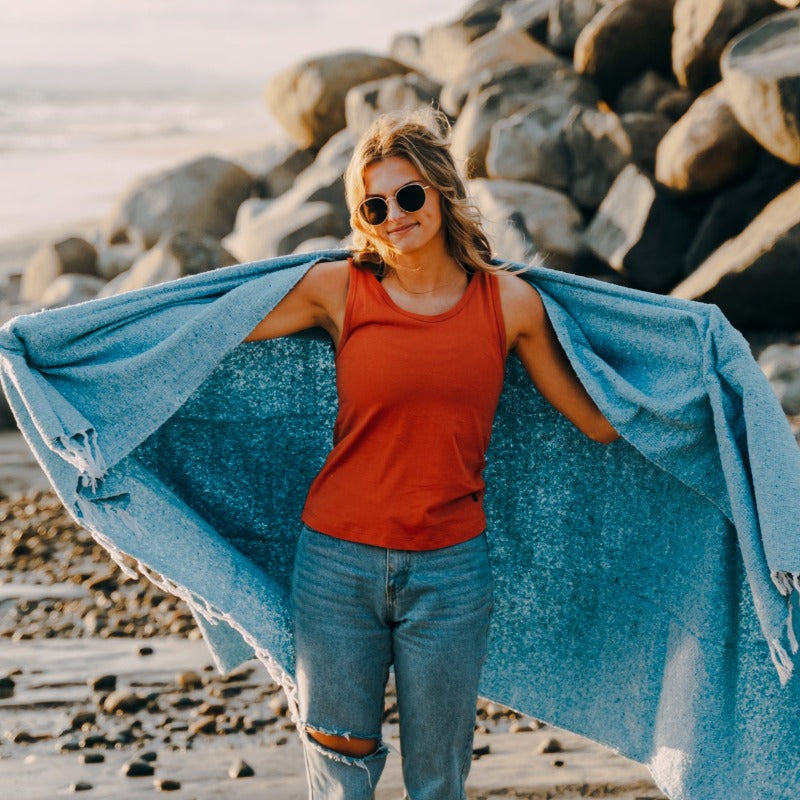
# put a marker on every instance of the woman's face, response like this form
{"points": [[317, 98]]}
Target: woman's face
{"points": [[406, 231]]}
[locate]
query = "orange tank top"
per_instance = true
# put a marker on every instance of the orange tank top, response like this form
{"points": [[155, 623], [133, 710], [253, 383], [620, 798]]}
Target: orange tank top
{"points": [[417, 397]]}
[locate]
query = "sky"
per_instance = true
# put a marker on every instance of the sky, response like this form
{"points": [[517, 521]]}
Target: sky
{"points": [[225, 37]]}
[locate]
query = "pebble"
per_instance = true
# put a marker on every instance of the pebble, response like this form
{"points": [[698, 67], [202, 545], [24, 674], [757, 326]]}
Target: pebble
{"points": [[91, 758], [137, 769], [166, 785], [550, 746], [203, 725], [477, 752], [123, 701], [145, 651], [6, 686], [80, 786], [210, 709], [103, 683], [241, 769], [150, 755], [188, 680], [82, 718]]}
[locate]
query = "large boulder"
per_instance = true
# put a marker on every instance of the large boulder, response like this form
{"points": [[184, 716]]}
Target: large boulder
{"points": [[639, 232], [314, 206], [68, 289], [644, 93], [599, 148], [500, 47], [523, 221], [645, 131], [702, 29], [566, 21], [707, 148], [529, 146], [735, 207], [369, 100], [502, 93], [527, 15], [70, 255], [175, 255], [201, 195], [755, 277], [761, 72], [307, 99], [443, 48], [622, 40]]}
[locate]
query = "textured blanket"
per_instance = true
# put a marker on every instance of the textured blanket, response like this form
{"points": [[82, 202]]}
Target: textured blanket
{"points": [[644, 589]]}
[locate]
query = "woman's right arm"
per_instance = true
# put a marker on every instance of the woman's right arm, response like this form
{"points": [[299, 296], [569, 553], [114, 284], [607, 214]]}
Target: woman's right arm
{"points": [[317, 300]]}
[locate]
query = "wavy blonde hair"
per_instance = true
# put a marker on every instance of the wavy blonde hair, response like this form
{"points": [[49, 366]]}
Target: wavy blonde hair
{"points": [[422, 137]]}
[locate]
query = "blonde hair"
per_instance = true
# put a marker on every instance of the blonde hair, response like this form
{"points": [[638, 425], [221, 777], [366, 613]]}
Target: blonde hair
{"points": [[422, 138]]}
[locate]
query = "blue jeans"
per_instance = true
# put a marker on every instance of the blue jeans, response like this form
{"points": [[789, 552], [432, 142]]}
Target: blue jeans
{"points": [[357, 610]]}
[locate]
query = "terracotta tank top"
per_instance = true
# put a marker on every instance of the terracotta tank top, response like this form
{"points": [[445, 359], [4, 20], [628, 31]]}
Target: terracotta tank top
{"points": [[417, 397]]}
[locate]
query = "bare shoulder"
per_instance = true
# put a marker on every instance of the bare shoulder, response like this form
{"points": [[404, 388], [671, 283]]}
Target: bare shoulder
{"points": [[523, 310], [328, 276]]}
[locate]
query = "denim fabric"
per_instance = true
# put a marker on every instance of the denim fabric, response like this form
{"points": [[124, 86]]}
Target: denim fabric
{"points": [[357, 610]]}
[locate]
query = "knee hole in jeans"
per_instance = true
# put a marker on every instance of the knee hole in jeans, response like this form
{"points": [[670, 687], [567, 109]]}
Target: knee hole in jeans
{"points": [[356, 748]]}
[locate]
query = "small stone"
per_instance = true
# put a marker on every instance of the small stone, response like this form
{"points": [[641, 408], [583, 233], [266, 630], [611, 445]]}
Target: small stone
{"points": [[83, 718], [210, 709], [166, 785], [136, 769], [279, 705], [189, 680], [203, 725], [80, 786], [150, 755], [68, 746], [281, 741], [241, 769], [145, 651], [477, 752], [104, 683], [91, 758], [520, 727], [94, 740], [123, 701], [6, 687], [557, 763], [550, 746]]}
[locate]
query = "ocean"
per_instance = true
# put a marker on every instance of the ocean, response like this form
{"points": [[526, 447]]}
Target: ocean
{"points": [[94, 96]]}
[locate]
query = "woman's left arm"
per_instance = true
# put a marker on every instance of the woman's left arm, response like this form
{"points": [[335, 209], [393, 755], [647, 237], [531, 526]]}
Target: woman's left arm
{"points": [[531, 336]]}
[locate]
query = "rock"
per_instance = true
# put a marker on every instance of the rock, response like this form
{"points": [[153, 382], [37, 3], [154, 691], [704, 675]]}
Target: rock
{"points": [[567, 19], [123, 701], [203, 725], [66, 290], [643, 93], [524, 220], [367, 101], [240, 769], [639, 232], [103, 683], [91, 740], [407, 49], [145, 651], [529, 146], [484, 750], [69, 746], [279, 705], [753, 278], [443, 48], [675, 104], [149, 756], [175, 255], [526, 15], [781, 365], [498, 95], [761, 73], [706, 148], [550, 745], [6, 687], [188, 680], [599, 149], [702, 29], [114, 259], [80, 786], [210, 709], [166, 785], [734, 208], [307, 99], [622, 40], [72, 255], [201, 196], [91, 758], [82, 718], [137, 769], [645, 130], [281, 177], [500, 47]]}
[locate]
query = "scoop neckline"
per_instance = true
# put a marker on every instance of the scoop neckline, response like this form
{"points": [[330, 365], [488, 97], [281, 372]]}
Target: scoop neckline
{"points": [[454, 309]]}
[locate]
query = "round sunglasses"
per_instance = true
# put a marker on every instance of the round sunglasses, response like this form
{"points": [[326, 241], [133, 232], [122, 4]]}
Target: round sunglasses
{"points": [[410, 197]]}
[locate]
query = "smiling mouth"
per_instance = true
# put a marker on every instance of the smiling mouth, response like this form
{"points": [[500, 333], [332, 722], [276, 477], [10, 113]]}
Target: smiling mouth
{"points": [[404, 229]]}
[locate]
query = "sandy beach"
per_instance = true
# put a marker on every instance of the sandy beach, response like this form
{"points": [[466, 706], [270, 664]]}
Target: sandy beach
{"points": [[82, 643]]}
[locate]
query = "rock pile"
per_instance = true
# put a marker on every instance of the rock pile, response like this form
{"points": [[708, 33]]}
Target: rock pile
{"points": [[654, 143]]}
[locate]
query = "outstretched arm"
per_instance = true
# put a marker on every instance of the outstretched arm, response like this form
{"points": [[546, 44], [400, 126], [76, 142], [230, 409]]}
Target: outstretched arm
{"points": [[531, 336], [317, 300]]}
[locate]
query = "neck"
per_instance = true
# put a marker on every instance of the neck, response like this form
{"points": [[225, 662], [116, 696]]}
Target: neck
{"points": [[425, 272]]}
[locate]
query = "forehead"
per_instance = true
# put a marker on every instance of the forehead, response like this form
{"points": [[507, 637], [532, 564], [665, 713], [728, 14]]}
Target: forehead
{"points": [[389, 174]]}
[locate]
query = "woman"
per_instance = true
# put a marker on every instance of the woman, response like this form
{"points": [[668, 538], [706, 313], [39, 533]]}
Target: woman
{"points": [[392, 563]]}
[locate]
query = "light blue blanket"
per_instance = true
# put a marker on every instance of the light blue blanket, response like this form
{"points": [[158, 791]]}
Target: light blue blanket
{"points": [[643, 589]]}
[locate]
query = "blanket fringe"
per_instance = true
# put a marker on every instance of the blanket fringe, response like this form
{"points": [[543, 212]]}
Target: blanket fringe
{"points": [[80, 449], [787, 584], [197, 604]]}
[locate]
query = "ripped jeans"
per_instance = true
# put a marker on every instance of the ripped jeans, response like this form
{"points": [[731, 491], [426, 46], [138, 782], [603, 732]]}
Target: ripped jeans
{"points": [[357, 610]]}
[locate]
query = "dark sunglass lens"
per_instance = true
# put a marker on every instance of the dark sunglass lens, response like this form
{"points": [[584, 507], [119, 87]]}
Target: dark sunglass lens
{"points": [[374, 210], [411, 198]]}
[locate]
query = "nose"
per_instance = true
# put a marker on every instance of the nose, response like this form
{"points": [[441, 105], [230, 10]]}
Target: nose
{"points": [[393, 209]]}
